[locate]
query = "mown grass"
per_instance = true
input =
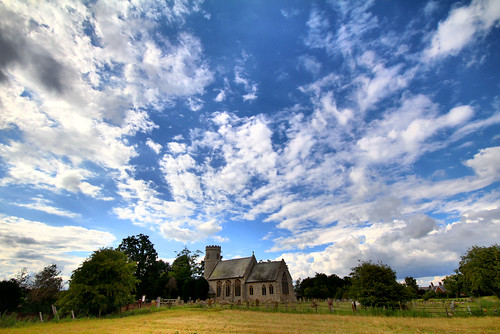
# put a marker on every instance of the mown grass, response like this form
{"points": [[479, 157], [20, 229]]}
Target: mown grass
{"points": [[225, 320]]}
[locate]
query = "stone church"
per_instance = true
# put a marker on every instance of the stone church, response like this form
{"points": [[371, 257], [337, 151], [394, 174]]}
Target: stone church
{"points": [[245, 279]]}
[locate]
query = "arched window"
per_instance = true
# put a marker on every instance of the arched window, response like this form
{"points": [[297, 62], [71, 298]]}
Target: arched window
{"points": [[228, 288], [237, 288], [250, 290], [284, 284], [219, 288], [263, 290], [271, 289]]}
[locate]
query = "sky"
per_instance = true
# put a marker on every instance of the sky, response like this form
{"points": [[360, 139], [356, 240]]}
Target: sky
{"points": [[323, 133]]}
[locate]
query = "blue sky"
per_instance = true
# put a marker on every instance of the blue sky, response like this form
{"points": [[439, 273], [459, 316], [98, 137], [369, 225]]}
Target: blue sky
{"points": [[320, 132]]}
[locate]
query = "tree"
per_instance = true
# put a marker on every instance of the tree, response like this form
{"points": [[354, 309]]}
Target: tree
{"points": [[101, 285], [411, 286], [321, 286], [44, 289], [185, 268], [140, 250], [375, 285], [480, 268], [454, 284], [10, 295]]}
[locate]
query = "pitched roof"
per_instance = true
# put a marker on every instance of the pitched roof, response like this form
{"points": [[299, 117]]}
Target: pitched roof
{"points": [[264, 271], [231, 268]]}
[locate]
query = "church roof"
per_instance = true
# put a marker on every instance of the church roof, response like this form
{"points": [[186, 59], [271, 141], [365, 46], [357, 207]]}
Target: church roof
{"points": [[231, 268], [264, 271]]}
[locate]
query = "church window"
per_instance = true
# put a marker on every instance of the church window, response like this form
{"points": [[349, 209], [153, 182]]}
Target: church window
{"points": [[228, 288], [284, 285], [271, 289], [219, 288], [250, 290], [263, 290], [237, 288]]}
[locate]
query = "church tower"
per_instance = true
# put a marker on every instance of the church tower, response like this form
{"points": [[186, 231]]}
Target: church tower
{"points": [[212, 257]]}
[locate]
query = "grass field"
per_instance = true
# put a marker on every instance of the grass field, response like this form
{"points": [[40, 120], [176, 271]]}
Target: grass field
{"points": [[202, 320]]}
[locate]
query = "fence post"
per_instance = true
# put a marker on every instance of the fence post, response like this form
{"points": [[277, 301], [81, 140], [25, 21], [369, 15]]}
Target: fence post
{"points": [[54, 310], [41, 317], [72, 314]]}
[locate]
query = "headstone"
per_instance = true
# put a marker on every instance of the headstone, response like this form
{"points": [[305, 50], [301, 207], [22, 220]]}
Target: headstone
{"points": [[330, 304]]}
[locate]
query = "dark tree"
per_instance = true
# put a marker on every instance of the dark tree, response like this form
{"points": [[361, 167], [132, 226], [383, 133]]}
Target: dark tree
{"points": [[101, 285], [411, 287], [321, 286], [44, 290], [480, 268], [454, 284], [149, 269], [10, 295], [375, 285], [185, 269]]}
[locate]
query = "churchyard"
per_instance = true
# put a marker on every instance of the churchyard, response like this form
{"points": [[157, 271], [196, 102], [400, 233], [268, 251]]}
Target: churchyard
{"points": [[301, 317]]}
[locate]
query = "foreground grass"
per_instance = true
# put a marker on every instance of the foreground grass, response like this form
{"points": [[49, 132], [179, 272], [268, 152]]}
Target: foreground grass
{"points": [[198, 320]]}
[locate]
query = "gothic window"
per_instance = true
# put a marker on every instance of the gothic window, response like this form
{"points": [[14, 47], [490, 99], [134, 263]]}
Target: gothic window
{"points": [[228, 288], [237, 288], [284, 284], [219, 288], [250, 290], [263, 290], [271, 289]]}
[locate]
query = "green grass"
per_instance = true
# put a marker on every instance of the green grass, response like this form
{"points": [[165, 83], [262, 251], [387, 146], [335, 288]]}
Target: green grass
{"points": [[418, 312], [225, 320]]}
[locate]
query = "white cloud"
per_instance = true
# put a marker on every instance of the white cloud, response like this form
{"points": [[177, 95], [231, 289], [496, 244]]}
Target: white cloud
{"points": [[190, 231], [240, 78], [404, 133], [463, 25], [154, 146], [416, 247], [41, 204], [486, 163], [35, 245], [311, 64]]}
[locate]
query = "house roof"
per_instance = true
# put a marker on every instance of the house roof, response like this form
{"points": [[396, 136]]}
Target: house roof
{"points": [[231, 268], [264, 271]]}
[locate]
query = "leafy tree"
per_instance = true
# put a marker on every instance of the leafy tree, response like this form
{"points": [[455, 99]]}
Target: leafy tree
{"points": [[10, 295], [44, 289], [321, 286], [149, 269], [375, 285], [454, 284], [184, 269], [480, 268], [101, 285], [411, 287]]}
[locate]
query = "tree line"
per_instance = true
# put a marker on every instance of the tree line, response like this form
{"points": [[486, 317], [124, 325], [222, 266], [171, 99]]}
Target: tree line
{"points": [[107, 280]]}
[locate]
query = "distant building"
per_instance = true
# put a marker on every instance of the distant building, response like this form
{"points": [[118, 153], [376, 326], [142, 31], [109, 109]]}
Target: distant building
{"points": [[245, 279], [436, 288]]}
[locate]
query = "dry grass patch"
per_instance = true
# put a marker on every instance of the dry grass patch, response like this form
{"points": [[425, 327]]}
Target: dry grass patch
{"points": [[192, 320]]}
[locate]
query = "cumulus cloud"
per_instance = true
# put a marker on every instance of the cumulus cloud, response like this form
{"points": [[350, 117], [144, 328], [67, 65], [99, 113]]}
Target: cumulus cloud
{"points": [[35, 245], [462, 26], [154, 146]]}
